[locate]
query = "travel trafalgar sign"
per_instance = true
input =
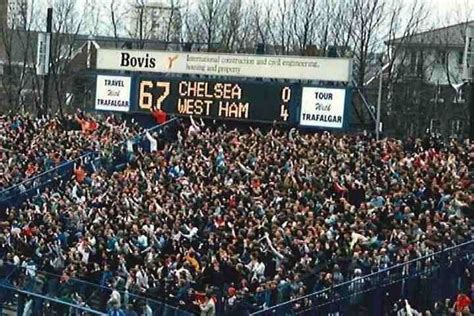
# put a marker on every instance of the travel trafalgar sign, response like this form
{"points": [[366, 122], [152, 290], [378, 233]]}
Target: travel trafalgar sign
{"points": [[322, 107], [235, 65], [113, 93]]}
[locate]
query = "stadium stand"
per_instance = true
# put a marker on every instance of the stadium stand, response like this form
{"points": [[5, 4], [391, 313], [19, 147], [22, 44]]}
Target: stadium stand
{"points": [[239, 221]]}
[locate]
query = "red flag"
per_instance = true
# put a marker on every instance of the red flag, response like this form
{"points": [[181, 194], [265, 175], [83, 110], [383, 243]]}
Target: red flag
{"points": [[159, 116]]}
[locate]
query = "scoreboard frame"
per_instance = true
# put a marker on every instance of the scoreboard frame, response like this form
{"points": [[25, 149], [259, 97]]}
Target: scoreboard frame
{"points": [[251, 101]]}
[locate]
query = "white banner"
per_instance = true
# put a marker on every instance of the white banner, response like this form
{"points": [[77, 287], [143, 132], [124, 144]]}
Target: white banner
{"points": [[113, 93], [236, 65], [322, 107], [42, 54]]}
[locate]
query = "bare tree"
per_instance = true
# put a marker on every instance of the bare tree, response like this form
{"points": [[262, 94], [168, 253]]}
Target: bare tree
{"points": [[403, 23], [368, 16], [260, 15], [340, 26], [210, 14], [93, 17], [113, 17], [249, 33], [305, 17], [17, 39], [232, 26], [173, 23], [190, 29], [460, 11], [117, 15], [280, 27], [144, 23], [7, 35], [66, 29], [141, 22], [31, 50]]}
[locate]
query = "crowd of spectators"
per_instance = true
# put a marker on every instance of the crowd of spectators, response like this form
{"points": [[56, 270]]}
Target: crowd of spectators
{"points": [[234, 219], [30, 146]]}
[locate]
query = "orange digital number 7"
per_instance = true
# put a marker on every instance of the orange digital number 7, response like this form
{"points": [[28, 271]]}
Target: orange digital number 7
{"points": [[166, 93]]}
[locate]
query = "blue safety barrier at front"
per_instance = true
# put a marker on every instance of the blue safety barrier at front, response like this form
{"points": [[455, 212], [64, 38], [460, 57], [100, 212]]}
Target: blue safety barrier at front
{"points": [[422, 282]]}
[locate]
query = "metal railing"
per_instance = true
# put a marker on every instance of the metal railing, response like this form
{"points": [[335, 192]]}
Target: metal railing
{"points": [[22, 291], [24, 287], [16, 194], [422, 281], [26, 183]]}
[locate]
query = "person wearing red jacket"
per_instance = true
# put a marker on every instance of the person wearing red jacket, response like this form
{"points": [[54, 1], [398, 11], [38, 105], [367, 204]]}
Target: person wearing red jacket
{"points": [[159, 116], [462, 304]]}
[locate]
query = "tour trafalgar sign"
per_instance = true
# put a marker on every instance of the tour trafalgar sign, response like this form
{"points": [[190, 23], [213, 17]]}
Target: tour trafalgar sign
{"points": [[322, 107], [235, 65], [113, 93]]}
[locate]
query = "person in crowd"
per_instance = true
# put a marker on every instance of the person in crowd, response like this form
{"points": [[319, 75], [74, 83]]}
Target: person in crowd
{"points": [[462, 305], [208, 306]]}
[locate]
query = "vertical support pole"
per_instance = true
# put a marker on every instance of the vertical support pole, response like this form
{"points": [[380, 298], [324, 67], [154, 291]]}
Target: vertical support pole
{"points": [[49, 28]]}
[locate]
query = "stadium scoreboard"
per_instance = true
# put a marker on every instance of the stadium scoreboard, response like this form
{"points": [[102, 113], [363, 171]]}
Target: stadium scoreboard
{"points": [[220, 99], [253, 100]]}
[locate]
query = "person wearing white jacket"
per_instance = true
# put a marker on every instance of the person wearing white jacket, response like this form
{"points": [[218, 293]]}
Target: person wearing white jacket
{"points": [[256, 268], [153, 142], [142, 279], [115, 298], [407, 310]]}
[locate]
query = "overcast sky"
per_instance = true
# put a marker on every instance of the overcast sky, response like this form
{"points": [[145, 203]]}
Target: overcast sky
{"points": [[451, 9], [442, 12]]}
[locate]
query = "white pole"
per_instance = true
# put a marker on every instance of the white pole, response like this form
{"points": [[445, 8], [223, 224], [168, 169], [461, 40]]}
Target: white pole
{"points": [[379, 104]]}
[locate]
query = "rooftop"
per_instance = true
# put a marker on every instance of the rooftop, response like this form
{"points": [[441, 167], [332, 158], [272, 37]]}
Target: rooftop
{"points": [[449, 36]]}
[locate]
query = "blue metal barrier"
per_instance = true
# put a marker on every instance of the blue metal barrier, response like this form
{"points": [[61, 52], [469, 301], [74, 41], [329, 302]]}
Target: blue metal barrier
{"points": [[26, 292], [20, 192], [422, 281], [68, 296]]}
